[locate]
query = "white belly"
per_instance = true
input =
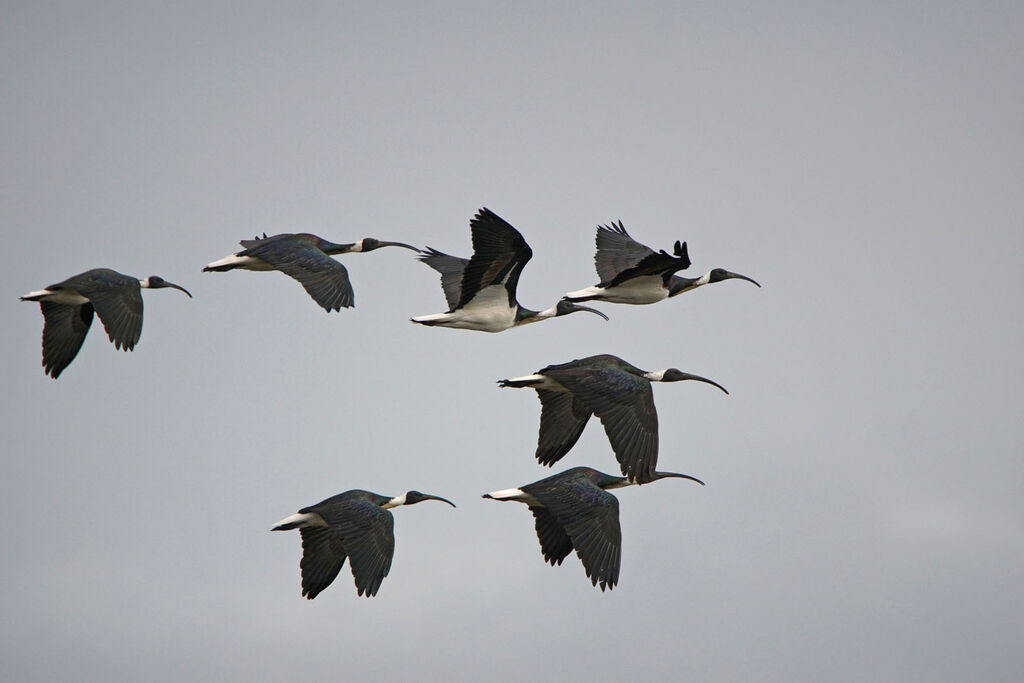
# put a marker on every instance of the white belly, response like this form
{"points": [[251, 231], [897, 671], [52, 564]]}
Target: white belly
{"points": [[487, 312], [649, 289]]}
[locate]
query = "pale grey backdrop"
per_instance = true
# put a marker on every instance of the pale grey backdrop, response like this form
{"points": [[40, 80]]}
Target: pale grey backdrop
{"points": [[863, 513]]}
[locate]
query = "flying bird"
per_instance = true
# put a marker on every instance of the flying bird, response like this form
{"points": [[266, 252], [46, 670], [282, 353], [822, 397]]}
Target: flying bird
{"points": [[633, 273], [356, 525], [573, 509], [609, 387], [306, 258], [68, 307], [481, 290]]}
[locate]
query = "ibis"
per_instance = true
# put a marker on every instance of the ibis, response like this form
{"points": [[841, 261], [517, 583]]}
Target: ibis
{"points": [[573, 510], [633, 273], [618, 393], [68, 307], [356, 525], [481, 290], [306, 258]]}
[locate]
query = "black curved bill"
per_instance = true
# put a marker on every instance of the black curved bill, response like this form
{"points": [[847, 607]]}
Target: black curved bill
{"points": [[403, 244], [178, 287], [665, 475], [427, 496], [736, 276], [698, 378], [577, 307]]}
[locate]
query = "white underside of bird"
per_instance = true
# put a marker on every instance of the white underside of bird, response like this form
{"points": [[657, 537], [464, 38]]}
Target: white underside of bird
{"points": [[649, 289], [488, 311]]}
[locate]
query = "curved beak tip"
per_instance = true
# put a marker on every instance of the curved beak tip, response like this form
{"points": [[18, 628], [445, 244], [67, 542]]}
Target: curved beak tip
{"points": [[593, 310]]}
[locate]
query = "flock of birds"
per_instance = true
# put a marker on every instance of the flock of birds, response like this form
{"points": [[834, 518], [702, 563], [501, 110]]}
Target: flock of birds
{"points": [[571, 509]]}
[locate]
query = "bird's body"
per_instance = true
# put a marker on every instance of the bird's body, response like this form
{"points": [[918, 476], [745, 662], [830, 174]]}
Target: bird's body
{"points": [[573, 510], [617, 392], [481, 291], [307, 259], [68, 309], [633, 273], [355, 525]]}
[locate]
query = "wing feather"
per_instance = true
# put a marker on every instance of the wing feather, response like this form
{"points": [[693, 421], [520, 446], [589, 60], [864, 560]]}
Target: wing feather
{"points": [[64, 330]]}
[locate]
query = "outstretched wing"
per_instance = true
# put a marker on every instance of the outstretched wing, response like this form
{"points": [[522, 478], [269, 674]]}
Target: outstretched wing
{"points": [[368, 534], [323, 278], [555, 543], [617, 251], [117, 300], [499, 255], [451, 269], [64, 330], [323, 555], [625, 405], [620, 258], [562, 420], [589, 516]]}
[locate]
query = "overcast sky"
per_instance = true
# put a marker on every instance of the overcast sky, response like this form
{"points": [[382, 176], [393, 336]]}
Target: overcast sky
{"points": [[863, 517]]}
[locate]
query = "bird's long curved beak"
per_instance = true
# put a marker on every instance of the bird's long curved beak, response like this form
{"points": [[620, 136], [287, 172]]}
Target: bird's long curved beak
{"points": [[737, 276], [427, 496], [698, 378], [399, 244], [664, 475], [573, 307], [178, 287]]}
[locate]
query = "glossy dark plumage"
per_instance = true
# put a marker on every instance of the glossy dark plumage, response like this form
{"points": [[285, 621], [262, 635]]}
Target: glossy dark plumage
{"points": [[572, 510], [617, 392], [354, 525], [68, 308], [307, 259]]}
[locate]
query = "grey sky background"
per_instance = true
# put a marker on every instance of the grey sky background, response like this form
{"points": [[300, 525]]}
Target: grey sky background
{"points": [[864, 162]]}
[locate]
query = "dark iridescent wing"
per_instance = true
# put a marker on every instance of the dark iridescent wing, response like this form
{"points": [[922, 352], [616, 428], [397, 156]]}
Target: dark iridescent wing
{"points": [[617, 251], [368, 534], [620, 258], [64, 330], [555, 544], [117, 300], [562, 420], [323, 278], [590, 517], [323, 556], [624, 403], [499, 255], [451, 269]]}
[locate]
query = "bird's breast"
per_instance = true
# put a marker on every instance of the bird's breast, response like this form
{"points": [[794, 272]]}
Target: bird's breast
{"points": [[649, 289]]}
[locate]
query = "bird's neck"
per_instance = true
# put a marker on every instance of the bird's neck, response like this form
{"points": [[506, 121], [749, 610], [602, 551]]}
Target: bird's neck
{"points": [[394, 502], [678, 284], [343, 248], [655, 375], [525, 316]]}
